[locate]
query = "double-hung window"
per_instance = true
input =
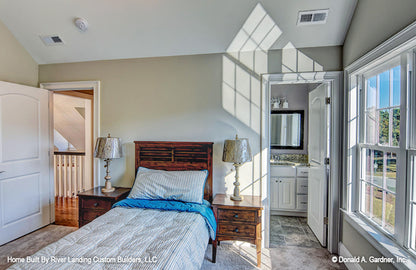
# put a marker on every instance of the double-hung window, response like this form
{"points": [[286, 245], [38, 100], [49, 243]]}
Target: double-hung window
{"points": [[380, 145], [380, 186]]}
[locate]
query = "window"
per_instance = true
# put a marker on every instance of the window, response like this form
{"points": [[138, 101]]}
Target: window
{"points": [[380, 184], [412, 203], [378, 160], [382, 110]]}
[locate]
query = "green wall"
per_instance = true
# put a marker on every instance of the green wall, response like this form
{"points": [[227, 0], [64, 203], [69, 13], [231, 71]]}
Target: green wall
{"points": [[16, 64]]}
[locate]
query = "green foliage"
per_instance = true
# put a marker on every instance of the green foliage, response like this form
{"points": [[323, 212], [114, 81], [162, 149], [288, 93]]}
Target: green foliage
{"points": [[396, 126], [384, 127]]}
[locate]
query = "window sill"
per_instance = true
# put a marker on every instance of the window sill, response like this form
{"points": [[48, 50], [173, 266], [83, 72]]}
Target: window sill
{"points": [[387, 247]]}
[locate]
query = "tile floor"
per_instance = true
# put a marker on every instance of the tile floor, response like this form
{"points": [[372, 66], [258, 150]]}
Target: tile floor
{"points": [[291, 231]]}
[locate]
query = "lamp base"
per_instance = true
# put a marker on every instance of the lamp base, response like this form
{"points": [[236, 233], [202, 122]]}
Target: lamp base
{"points": [[108, 187], [236, 198], [105, 190]]}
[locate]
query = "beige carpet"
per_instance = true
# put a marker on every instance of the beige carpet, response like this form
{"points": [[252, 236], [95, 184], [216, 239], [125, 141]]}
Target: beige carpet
{"points": [[29, 244], [230, 255]]}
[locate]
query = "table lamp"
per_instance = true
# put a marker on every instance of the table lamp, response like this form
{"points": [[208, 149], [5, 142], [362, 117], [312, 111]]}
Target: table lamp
{"points": [[107, 148], [236, 151]]}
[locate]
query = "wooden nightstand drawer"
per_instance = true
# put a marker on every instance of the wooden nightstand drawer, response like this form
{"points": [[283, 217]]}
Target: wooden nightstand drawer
{"points": [[237, 230], [91, 215], [95, 204], [236, 215]]}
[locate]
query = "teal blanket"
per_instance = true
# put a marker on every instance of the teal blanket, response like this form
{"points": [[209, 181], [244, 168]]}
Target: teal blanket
{"points": [[203, 209]]}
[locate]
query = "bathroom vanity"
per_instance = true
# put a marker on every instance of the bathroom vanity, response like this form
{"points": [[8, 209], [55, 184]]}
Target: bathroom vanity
{"points": [[289, 189]]}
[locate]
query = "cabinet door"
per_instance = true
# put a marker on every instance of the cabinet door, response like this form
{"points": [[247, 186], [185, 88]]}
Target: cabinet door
{"points": [[287, 192], [274, 195]]}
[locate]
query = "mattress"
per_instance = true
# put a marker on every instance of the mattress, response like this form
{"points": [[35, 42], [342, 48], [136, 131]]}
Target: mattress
{"points": [[129, 238]]}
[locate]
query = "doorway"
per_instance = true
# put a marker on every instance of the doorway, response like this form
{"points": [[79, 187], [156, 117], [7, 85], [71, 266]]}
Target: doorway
{"points": [[85, 96], [73, 147], [290, 213], [294, 118]]}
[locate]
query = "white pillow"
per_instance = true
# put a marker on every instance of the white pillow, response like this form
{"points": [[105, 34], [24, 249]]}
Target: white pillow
{"points": [[186, 186]]}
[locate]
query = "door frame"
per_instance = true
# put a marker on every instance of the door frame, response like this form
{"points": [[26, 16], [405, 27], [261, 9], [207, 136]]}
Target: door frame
{"points": [[335, 80], [68, 86]]}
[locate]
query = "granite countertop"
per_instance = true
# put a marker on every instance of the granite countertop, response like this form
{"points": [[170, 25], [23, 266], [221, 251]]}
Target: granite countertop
{"points": [[288, 163]]}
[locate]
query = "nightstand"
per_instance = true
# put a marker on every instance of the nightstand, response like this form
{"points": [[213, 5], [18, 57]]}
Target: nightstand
{"points": [[93, 203], [238, 221]]}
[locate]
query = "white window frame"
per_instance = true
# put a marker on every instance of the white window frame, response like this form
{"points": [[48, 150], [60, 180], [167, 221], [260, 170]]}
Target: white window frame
{"points": [[402, 46], [363, 74]]}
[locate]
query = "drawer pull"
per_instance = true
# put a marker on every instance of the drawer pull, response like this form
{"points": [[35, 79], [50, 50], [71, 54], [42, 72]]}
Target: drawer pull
{"points": [[96, 204], [236, 230], [236, 216]]}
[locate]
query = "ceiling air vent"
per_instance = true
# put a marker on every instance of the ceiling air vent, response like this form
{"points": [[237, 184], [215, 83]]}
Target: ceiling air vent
{"points": [[52, 40], [312, 17]]}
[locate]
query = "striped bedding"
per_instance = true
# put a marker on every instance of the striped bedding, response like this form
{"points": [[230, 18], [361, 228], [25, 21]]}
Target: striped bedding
{"points": [[129, 238]]}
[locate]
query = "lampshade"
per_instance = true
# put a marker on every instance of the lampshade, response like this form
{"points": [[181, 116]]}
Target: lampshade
{"points": [[107, 147], [236, 151]]}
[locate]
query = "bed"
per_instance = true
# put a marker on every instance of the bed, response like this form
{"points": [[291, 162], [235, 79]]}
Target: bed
{"points": [[134, 235]]}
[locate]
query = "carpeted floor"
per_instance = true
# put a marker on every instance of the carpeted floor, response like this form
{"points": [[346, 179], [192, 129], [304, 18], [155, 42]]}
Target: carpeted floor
{"points": [[30, 243], [230, 255]]}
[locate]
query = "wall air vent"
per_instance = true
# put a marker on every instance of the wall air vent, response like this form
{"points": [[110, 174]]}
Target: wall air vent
{"points": [[52, 40], [310, 17]]}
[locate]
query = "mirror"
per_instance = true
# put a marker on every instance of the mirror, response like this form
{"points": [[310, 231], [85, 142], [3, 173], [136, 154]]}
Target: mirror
{"points": [[287, 129]]}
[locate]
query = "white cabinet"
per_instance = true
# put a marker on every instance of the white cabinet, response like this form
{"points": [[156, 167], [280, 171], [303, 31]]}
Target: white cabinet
{"points": [[286, 192], [283, 193], [302, 185], [289, 188], [302, 202]]}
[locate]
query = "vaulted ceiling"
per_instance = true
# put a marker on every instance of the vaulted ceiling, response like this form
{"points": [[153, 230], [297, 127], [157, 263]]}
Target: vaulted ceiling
{"points": [[148, 28]]}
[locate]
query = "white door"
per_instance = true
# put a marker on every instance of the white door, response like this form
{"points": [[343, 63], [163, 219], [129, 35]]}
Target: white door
{"points": [[317, 151], [286, 199], [24, 160]]}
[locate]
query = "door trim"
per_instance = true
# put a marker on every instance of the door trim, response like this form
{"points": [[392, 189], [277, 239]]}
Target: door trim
{"points": [[335, 80], [65, 86]]}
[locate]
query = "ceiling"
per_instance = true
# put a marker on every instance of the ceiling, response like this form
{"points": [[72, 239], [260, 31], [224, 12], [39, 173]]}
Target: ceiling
{"points": [[149, 28]]}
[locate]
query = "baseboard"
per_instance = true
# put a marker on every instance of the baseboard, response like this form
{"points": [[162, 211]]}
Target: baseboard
{"points": [[344, 252]]}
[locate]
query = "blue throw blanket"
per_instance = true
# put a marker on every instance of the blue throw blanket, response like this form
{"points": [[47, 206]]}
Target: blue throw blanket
{"points": [[203, 209]]}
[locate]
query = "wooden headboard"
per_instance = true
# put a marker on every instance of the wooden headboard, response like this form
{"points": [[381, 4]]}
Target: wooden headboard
{"points": [[176, 156]]}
